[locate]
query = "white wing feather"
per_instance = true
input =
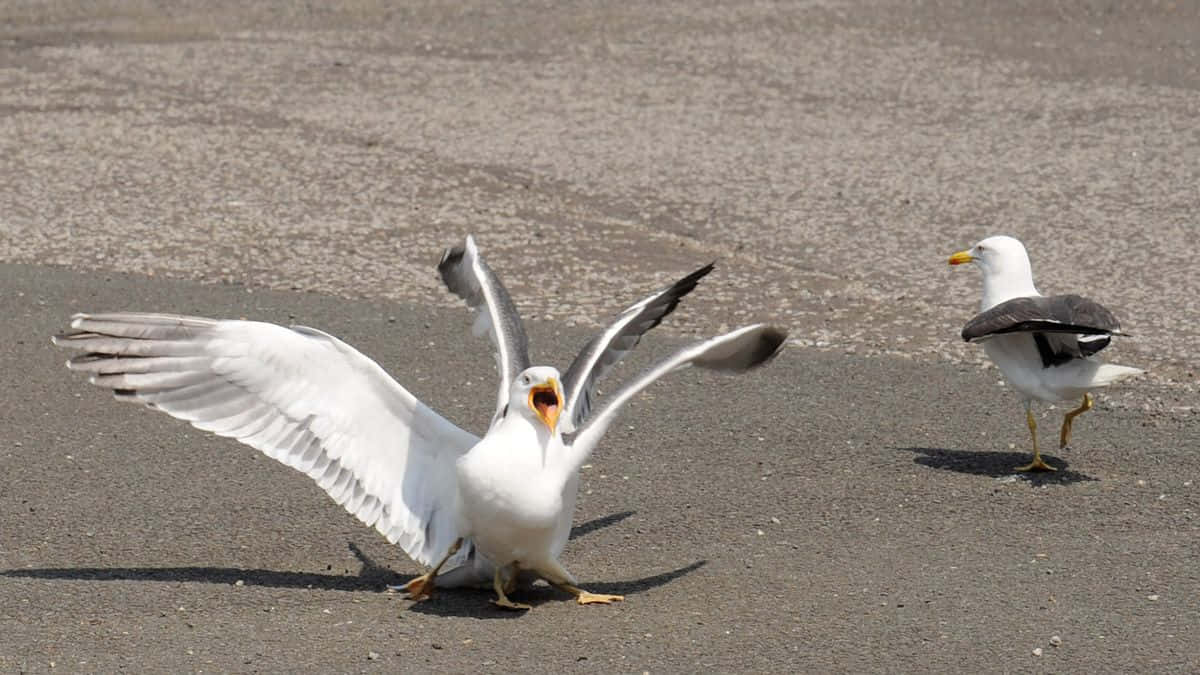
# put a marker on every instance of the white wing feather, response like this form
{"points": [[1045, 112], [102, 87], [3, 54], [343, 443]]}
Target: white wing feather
{"points": [[733, 352], [468, 276], [300, 396]]}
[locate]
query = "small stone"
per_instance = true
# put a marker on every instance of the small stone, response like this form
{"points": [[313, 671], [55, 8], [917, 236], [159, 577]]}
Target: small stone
{"points": [[372, 656], [774, 520], [1055, 641], [239, 582], [1152, 598], [1037, 651], [436, 646]]}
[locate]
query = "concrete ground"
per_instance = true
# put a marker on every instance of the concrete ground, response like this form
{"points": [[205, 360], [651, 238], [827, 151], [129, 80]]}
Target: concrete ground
{"points": [[849, 508]]}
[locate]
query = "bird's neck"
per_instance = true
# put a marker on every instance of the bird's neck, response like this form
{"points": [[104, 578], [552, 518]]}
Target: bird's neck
{"points": [[999, 286]]}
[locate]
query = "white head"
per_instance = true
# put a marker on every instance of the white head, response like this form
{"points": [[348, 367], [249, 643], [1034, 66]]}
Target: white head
{"points": [[537, 395], [1005, 266]]}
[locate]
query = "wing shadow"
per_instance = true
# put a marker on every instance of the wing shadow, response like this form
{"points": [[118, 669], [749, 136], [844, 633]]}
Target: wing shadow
{"points": [[996, 465], [599, 523], [372, 576]]}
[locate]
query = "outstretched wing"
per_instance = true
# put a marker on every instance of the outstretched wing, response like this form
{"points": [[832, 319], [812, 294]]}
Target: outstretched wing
{"points": [[604, 351], [298, 395], [1064, 327], [466, 275], [733, 352]]}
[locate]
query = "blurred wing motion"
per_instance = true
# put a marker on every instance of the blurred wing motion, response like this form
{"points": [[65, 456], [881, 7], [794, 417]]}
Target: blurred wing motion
{"points": [[733, 352], [604, 351], [300, 396], [466, 275]]}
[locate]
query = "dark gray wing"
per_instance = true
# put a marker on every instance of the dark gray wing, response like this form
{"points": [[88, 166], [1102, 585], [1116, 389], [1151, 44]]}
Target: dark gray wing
{"points": [[604, 351], [466, 275], [1064, 327]]}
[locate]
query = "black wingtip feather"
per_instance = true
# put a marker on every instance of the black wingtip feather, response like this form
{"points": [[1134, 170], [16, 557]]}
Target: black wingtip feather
{"points": [[770, 343], [451, 258]]}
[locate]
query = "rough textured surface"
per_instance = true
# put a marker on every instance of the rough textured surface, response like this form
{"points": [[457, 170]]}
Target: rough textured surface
{"points": [[801, 518], [829, 155]]}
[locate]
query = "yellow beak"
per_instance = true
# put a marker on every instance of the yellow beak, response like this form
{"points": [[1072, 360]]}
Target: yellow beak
{"points": [[546, 401], [961, 257]]}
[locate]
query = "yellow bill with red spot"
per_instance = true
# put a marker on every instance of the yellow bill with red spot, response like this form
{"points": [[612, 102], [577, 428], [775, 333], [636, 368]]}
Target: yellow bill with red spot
{"points": [[961, 257]]}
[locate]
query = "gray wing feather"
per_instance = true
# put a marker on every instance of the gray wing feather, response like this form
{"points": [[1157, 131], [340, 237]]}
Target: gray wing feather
{"points": [[1048, 314], [604, 351], [1064, 327], [466, 275]]}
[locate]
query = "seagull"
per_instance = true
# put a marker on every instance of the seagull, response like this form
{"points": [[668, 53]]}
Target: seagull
{"points": [[496, 508], [1043, 344]]}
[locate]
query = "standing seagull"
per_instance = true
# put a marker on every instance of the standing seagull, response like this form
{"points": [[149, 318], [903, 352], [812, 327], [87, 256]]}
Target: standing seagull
{"points": [[501, 504], [1044, 345]]}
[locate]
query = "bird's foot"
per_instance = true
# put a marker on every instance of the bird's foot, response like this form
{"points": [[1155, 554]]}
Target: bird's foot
{"points": [[1036, 465], [586, 598], [509, 604], [418, 589]]}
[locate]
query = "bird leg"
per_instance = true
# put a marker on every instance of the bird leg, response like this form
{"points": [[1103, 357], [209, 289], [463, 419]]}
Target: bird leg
{"points": [[585, 598], [422, 587], [1037, 464], [1065, 436], [499, 582]]}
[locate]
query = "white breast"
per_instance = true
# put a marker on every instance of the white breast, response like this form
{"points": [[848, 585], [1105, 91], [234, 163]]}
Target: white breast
{"points": [[507, 507]]}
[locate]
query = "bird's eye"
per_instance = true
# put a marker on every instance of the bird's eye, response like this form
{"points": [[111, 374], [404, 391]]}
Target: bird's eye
{"points": [[525, 379]]}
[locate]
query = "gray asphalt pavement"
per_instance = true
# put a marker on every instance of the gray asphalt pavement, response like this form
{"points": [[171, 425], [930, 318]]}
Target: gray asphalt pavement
{"points": [[849, 508]]}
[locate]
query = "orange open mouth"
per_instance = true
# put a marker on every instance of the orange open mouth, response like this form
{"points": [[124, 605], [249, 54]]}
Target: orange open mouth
{"points": [[545, 401]]}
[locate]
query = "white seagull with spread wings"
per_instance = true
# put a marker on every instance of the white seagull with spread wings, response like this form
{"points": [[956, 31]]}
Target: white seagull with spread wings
{"points": [[1044, 345], [491, 508]]}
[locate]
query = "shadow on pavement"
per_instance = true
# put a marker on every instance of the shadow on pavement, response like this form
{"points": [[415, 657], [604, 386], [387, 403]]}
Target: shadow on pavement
{"points": [[212, 575], [599, 523], [996, 464], [477, 603], [371, 577]]}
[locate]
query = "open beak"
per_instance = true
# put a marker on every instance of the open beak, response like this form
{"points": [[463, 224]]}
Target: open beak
{"points": [[961, 257], [546, 401]]}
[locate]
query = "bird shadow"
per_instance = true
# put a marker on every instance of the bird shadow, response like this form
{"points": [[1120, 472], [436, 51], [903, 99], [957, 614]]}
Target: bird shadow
{"points": [[371, 576], [997, 465], [471, 603]]}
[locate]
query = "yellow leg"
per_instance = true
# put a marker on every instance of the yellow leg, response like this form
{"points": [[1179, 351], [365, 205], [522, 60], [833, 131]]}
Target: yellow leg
{"points": [[585, 598], [1065, 436], [422, 587], [1037, 464], [498, 582]]}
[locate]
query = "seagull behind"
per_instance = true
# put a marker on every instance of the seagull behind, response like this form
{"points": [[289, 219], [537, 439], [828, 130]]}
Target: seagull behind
{"points": [[1044, 345]]}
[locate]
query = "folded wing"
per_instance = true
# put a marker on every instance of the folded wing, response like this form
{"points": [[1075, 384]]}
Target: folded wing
{"points": [[1064, 327], [300, 396]]}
